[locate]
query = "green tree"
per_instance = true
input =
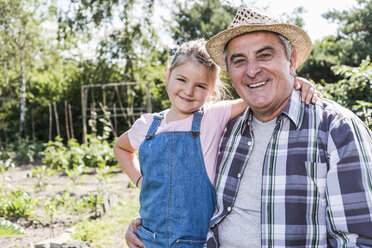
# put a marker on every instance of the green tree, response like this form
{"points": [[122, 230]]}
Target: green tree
{"points": [[200, 19], [355, 32], [350, 46], [295, 17], [19, 29]]}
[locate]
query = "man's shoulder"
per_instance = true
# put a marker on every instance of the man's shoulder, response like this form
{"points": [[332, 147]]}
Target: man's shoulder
{"points": [[327, 107], [332, 114]]}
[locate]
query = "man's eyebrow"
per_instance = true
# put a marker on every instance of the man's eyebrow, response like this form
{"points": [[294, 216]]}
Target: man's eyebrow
{"points": [[236, 55], [265, 48]]}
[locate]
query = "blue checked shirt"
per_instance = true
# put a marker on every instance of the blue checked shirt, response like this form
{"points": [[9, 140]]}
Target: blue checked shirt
{"points": [[316, 178]]}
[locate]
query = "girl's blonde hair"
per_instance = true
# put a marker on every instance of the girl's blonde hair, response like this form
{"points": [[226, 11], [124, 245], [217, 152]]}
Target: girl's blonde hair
{"points": [[195, 51]]}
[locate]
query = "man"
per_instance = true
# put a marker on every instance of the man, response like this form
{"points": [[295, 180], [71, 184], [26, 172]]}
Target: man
{"points": [[289, 175]]}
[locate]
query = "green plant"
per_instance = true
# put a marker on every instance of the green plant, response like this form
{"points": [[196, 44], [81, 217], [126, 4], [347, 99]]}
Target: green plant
{"points": [[101, 232], [50, 206], [25, 152], [93, 202], [75, 173], [55, 154], [16, 204], [41, 173], [78, 205], [6, 165], [8, 228]]}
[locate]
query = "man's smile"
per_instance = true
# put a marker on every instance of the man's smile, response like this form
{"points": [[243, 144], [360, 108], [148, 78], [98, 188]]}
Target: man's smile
{"points": [[258, 84]]}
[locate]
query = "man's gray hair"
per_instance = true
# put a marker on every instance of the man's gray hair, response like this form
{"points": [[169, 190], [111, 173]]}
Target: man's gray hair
{"points": [[285, 42]]}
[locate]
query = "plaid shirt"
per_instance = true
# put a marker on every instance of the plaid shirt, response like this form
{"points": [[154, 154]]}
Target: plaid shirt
{"points": [[316, 178]]}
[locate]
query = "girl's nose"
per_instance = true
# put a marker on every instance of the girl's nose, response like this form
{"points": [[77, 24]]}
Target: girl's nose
{"points": [[189, 90]]}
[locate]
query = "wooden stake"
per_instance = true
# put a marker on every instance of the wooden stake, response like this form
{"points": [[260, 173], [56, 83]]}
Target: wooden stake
{"points": [[50, 121], [115, 119], [57, 120], [66, 122], [33, 125], [71, 126]]}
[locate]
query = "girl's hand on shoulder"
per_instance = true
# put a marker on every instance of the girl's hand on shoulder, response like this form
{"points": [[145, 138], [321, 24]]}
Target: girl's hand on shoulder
{"points": [[309, 92]]}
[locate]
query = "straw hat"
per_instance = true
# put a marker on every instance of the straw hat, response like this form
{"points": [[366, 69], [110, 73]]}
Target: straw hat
{"points": [[249, 19]]}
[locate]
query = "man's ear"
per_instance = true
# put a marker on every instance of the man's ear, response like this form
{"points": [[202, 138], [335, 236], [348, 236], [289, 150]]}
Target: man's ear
{"points": [[293, 60]]}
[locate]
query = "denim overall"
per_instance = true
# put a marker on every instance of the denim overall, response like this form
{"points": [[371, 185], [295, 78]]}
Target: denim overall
{"points": [[177, 199]]}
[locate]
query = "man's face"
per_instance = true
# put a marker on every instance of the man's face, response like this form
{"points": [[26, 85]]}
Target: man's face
{"points": [[261, 73]]}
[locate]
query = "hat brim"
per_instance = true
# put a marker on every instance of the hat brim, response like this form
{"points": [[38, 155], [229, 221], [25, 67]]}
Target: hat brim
{"points": [[296, 36]]}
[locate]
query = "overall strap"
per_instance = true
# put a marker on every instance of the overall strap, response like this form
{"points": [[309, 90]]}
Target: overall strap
{"points": [[154, 125], [195, 127]]}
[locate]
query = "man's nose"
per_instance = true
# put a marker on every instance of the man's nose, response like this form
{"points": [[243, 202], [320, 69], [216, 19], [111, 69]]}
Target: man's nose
{"points": [[252, 69]]}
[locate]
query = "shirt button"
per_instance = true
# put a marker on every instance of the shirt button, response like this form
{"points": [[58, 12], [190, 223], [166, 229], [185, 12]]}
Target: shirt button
{"points": [[239, 175], [229, 209], [249, 143]]}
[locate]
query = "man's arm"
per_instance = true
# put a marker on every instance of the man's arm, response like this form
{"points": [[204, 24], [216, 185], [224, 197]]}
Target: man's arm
{"points": [[131, 237], [349, 184]]}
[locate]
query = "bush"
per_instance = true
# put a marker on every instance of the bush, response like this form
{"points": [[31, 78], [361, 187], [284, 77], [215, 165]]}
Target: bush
{"points": [[8, 228], [355, 90], [16, 204]]}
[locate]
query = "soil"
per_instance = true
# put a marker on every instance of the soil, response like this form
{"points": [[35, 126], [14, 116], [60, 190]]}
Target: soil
{"points": [[37, 229]]}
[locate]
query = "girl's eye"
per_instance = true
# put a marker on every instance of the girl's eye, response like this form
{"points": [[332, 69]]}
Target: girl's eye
{"points": [[181, 79], [201, 86]]}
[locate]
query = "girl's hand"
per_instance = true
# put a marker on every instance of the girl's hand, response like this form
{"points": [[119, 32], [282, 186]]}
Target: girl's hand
{"points": [[309, 92]]}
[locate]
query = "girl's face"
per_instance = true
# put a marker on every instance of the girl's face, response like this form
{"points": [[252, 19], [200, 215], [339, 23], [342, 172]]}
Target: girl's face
{"points": [[188, 85]]}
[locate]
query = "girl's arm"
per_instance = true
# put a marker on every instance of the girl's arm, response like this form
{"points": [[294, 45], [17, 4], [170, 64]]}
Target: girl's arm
{"points": [[237, 107], [126, 156], [309, 93]]}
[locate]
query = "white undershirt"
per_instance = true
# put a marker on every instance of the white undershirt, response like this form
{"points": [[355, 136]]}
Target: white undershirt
{"points": [[242, 227]]}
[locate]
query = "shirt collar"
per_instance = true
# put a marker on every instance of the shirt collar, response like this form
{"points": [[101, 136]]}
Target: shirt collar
{"points": [[294, 111]]}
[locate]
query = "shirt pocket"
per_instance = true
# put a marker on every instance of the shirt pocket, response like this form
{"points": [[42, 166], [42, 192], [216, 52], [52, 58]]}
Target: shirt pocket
{"points": [[317, 173]]}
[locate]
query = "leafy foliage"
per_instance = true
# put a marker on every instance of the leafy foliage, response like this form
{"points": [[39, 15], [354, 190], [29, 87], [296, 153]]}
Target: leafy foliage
{"points": [[100, 232], [16, 204], [80, 42], [8, 228], [349, 47], [200, 19], [354, 91], [355, 32], [42, 174]]}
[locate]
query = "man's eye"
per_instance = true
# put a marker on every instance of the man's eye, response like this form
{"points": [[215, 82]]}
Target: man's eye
{"points": [[181, 79], [265, 56], [238, 61]]}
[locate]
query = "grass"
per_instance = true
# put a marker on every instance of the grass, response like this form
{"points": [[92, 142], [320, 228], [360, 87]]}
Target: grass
{"points": [[109, 230]]}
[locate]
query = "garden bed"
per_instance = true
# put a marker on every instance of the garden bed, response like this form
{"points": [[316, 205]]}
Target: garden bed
{"points": [[47, 221]]}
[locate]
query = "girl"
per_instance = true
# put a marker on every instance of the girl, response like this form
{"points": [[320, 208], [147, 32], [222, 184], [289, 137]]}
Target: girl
{"points": [[178, 151]]}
